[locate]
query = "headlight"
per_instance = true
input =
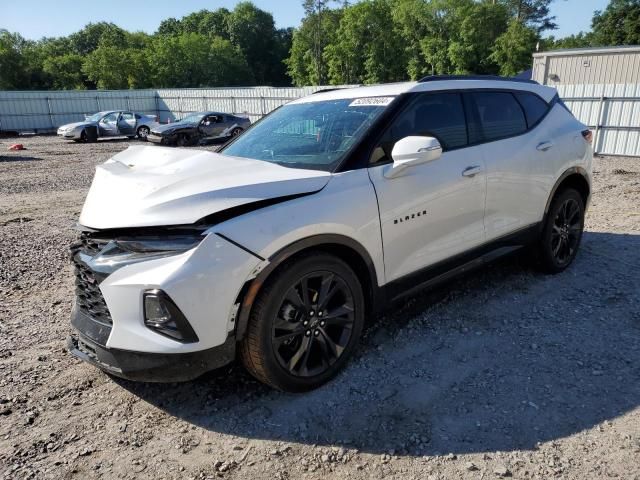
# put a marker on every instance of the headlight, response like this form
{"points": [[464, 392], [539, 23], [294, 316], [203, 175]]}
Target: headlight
{"points": [[176, 244], [119, 252]]}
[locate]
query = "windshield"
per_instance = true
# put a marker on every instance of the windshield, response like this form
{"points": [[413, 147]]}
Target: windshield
{"points": [[194, 118], [314, 135], [96, 116]]}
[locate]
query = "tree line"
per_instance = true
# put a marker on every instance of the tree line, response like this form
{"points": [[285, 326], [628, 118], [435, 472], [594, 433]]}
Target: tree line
{"points": [[369, 41]]}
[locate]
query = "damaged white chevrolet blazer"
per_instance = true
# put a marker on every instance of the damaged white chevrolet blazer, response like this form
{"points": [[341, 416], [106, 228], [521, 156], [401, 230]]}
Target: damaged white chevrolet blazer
{"points": [[278, 249]]}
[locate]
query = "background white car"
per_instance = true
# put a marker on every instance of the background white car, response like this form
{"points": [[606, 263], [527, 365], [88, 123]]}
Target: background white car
{"points": [[112, 123], [285, 243]]}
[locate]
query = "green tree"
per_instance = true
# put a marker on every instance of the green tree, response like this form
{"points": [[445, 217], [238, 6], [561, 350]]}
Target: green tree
{"points": [[513, 49], [618, 24], [364, 49], [108, 66], [194, 60], [87, 40], [65, 71], [253, 31], [305, 66], [533, 13], [470, 50], [13, 74]]}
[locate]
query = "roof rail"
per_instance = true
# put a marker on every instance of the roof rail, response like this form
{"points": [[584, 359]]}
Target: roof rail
{"points": [[436, 78], [323, 90]]}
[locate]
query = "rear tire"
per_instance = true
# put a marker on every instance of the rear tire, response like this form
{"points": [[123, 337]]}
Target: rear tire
{"points": [[236, 132], [304, 324], [562, 232], [143, 133]]}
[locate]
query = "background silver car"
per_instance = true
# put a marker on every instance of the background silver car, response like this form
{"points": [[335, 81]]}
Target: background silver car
{"points": [[112, 123]]}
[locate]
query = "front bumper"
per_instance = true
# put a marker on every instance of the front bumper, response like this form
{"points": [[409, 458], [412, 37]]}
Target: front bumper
{"points": [[161, 140], [72, 134], [203, 282], [151, 367]]}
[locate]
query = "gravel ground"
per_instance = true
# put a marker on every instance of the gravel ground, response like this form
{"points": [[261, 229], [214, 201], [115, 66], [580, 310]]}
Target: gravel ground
{"points": [[503, 373]]}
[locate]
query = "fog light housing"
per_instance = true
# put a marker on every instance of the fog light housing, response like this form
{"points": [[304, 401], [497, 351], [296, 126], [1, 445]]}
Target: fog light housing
{"points": [[164, 317]]}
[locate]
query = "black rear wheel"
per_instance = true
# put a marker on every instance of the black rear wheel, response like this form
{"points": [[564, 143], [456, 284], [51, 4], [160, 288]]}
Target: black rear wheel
{"points": [[235, 132], [305, 323], [562, 231]]}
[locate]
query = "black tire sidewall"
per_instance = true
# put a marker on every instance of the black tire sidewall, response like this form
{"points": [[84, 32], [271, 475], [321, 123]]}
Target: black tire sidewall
{"points": [[549, 261], [140, 129], [264, 319]]}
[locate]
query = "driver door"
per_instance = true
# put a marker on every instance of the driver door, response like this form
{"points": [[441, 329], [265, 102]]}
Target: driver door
{"points": [[435, 210], [108, 125]]}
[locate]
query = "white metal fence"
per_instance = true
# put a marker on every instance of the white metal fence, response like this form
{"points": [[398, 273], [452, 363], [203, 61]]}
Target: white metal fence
{"points": [[43, 111], [612, 111]]}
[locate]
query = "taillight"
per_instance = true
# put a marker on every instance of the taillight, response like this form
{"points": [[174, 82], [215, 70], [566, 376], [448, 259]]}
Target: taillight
{"points": [[588, 136]]}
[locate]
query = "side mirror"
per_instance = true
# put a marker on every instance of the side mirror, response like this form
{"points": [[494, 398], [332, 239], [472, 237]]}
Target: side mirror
{"points": [[410, 151]]}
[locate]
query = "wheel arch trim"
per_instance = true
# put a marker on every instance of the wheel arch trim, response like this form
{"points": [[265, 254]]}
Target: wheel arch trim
{"points": [[252, 287], [576, 170]]}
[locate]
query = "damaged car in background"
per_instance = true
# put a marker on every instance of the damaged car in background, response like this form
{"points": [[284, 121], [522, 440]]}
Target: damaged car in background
{"points": [[199, 127], [112, 123]]}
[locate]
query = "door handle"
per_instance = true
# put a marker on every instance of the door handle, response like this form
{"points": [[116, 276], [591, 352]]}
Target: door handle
{"points": [[544, 146], [471, 171]]}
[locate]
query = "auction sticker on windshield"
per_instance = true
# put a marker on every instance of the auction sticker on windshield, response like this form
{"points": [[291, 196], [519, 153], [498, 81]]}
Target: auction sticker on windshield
{"points": [[371, 102]]}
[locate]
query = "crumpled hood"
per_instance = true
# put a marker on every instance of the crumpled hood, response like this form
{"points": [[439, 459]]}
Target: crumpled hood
{"points": [[155, 186], [168, 127]]}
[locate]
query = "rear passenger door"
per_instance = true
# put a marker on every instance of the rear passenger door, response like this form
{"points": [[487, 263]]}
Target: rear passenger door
{"points": [[513, 143], [434, 210]]}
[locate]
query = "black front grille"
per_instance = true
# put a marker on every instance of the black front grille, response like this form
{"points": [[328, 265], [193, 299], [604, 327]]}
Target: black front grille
{"points": [[89, 298], [88, 295], [88, 245]]}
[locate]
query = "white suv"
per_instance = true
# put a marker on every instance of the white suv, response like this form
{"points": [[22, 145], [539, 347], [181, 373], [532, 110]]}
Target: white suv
{"points": [[280, 247]]}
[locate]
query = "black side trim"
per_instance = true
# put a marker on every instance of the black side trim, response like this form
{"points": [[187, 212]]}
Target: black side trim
{"points": [[239, 246], [251, 291], [447, 269]]}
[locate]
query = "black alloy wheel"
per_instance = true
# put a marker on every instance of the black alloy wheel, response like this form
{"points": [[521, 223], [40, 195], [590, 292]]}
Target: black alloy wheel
{"points": [[182, 140], [562, 231], [314, 324], [235, 132], [305, 323]]}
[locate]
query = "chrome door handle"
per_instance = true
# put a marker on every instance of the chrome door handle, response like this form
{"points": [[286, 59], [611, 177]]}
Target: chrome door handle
{"points": [[471, 171], [544, 146]]}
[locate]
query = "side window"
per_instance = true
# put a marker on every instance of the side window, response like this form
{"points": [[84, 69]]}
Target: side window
{"points": [[138, 117], [127, 116], [219, 118], [534, 107], [500, 115], [111, 118], [439, 115]]}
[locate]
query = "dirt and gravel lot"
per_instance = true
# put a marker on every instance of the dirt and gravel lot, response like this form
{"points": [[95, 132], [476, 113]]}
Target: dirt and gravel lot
{"points": [[506, 372]]}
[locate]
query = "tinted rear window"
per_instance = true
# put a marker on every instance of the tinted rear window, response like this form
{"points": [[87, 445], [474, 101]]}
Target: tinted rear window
{"points": [[534, 107], [500, 115]]}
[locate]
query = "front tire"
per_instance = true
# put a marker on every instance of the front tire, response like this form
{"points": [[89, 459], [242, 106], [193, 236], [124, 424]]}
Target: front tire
{"points": [[562, 231], [182, 140], [305, 323]]}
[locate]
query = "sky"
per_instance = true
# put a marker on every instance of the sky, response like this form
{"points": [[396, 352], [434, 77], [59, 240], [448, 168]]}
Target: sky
{"points": [[34, 19]]}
